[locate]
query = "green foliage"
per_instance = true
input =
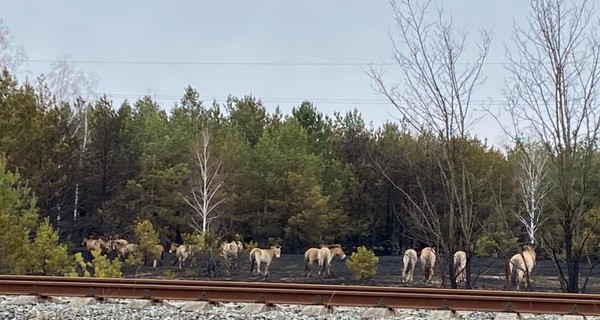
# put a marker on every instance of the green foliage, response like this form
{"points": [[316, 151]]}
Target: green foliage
{"points": [[363, 263], [80, 264], [495, 245], [168, 274], [147, 239], [18, 216], [105, 268], [45, 255]]}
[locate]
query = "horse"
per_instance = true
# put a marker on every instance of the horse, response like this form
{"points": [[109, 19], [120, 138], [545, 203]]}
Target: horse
{"points": [[428, 262], [95, 244], [182, 253], [257, 256], [311, 256], [326, 255], [410, 261], [519, 267], [460, 266], [119, 245], [160, 250], [231, 251]]}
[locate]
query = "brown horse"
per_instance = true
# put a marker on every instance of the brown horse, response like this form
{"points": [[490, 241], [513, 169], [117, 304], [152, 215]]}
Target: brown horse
{"points": [[159, 250], [326, 255], [460, 266], [119, 245], [231, 252], [257, 256], [410, 261], [428, 262], [311, 256], [519, 267], [95, 244], [182, 253]]}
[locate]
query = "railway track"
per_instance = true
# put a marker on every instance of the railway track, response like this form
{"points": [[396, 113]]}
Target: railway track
{"points": [[304, 294]]}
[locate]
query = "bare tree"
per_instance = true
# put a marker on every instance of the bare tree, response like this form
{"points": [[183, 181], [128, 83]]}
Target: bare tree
{"points": [[534, 187], [207, 183], [73, 87], [11, 56], [553, 98], [434, 98]]}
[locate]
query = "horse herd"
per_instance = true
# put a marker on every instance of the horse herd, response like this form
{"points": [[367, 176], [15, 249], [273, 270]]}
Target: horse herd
{"points": [[517, 270]]}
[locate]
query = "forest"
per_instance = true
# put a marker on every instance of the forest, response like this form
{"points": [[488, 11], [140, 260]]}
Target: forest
{"points": [[89, 168]]}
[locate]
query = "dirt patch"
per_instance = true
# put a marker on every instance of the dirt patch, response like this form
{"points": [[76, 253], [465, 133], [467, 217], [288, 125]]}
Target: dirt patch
{"points": [[487, 273]]}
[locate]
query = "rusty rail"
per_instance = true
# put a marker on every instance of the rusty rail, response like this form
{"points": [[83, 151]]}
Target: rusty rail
{"points": [[307, 294]]}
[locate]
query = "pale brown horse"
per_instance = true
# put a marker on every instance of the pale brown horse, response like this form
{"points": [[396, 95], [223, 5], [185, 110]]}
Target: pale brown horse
{"points": [[257, 256], [311, 256], [231, 252], [519, 267], [460, 266], [428, 263], [95, 244], [326, 255], [119, 245], [410, 261], [182, 253], [159, 250]]}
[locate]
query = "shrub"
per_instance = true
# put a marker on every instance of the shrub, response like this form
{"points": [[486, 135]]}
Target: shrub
{"points": [[45, 255], [363, 263], [495, 245], [105, 268]]}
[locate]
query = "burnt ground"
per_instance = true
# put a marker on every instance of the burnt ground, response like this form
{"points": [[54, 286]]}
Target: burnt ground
{"points": [[487, 273]]}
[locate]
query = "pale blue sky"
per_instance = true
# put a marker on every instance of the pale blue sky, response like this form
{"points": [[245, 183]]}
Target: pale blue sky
{"points": [[243, 31]]}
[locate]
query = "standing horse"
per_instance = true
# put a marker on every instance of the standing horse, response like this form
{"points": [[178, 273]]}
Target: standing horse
{"points": [[428, 262], [95, 244], [311, 256], [231, 251], [460, 266], [519, 267], [159, 250], [119, 245], [257, 256], [326, 254], [182, 253], [410, 261]]}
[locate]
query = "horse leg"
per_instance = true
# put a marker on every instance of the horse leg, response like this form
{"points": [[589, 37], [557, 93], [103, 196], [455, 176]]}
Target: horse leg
{"points": [[267, 269], [307, 271]]}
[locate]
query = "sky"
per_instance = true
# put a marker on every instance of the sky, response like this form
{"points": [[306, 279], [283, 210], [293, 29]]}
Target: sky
{"points": [[290, 51]]}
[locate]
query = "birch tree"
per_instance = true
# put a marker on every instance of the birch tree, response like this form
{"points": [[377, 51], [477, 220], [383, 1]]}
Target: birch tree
{"points": [[552, 95], [206, 192], [534, 188], [75, 88], [11, 56], [434, 97]]}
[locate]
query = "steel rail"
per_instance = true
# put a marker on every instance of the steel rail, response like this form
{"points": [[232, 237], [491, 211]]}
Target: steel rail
{"points": [[293, 286], [305, 294]]}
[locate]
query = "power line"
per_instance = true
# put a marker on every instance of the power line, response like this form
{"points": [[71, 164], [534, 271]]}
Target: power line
{"points": [[233, 63], [353, 101]]}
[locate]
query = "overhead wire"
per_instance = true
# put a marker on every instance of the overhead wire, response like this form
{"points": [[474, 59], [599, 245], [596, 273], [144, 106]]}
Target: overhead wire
{"points": [[233, 63]]}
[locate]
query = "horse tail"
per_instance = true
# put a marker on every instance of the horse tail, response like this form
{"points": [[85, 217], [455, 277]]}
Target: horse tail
{"points": [[506, 273], [306, 262], [252, 261]]}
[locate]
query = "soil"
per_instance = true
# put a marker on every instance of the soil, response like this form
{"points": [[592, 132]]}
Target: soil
{"points": [[487, 273]]}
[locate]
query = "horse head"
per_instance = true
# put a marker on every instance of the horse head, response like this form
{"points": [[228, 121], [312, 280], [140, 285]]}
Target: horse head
{"points": [[336, 250], [173, 248], [277, 250]]}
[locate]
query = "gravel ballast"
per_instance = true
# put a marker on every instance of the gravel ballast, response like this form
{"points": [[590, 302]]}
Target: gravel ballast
{"points": [[67, 308]]}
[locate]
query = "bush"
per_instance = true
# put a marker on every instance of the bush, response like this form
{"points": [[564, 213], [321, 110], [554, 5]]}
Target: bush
{"points": [[495, 245], [105, 268], [45, 255], [363, 263]]}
